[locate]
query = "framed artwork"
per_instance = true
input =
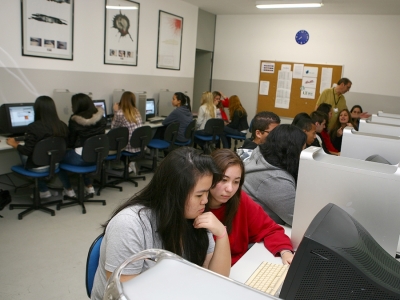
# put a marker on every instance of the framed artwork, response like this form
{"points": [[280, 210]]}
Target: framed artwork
{"points": [[121, 32], [48, 28], [169, 45]]}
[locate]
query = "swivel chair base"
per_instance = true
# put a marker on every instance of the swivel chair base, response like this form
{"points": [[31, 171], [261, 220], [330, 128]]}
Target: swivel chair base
{"points": [[37, 205]]}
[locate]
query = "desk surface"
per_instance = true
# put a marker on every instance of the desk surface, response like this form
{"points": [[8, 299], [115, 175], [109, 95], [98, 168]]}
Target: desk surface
{"points": [[248, 263], [3, 143]]}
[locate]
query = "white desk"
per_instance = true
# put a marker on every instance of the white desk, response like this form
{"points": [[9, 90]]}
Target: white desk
{"points": [[8, 156], [248, 263]]}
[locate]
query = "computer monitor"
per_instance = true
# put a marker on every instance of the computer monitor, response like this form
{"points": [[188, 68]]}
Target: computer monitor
{"points": [[15, 118], [150, 108], [338, 259], [102, 104]]}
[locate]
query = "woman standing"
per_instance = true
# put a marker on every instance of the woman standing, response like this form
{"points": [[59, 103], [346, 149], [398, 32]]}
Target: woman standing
{"points": [[163, 216], [245, 220], [46, 124], [85, 122], [271, 172]]}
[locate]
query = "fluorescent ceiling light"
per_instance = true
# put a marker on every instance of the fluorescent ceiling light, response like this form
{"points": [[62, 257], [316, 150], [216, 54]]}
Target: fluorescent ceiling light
{"points": [[121, 7], [265, 5]]}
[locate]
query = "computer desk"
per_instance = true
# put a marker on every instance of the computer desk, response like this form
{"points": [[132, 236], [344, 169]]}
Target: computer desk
{"points": [[248, 263]]}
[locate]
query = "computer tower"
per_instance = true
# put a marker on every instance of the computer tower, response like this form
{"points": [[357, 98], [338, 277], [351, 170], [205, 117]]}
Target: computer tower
{"points": [[141, 104]]}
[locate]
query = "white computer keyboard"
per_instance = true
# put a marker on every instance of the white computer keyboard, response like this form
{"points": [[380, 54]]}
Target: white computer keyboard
{"points": [[268, 277]]}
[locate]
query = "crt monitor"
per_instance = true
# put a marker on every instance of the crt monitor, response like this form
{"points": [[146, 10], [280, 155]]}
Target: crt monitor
{"points": [[150, 108], [338, 259], [102, 104], [15, 118]]}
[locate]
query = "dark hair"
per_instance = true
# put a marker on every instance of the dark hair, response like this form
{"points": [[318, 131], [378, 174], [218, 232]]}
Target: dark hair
{"points": [[262, 120], [325, 108], [184, 99], [318, 117], [305, 123], [166, 195], [356, 106], [83, 106], [337, 124], [283, 146], [46, 112], [344, 80], [300, 116], [225, 158]]}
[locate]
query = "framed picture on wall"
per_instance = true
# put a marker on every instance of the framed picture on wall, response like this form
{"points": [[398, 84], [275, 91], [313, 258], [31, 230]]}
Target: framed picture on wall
{"points": [[48, 28], [169, 45], [121, 32]]}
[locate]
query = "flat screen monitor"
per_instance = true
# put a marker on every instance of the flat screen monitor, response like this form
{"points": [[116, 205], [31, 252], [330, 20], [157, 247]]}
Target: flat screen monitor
{"points": [[15, 118], [150, 108], [102, 104], [338, 259]]}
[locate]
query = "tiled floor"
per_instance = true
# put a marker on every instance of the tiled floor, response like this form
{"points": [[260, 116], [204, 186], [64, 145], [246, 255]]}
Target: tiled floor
{"points": [[44, 257]]}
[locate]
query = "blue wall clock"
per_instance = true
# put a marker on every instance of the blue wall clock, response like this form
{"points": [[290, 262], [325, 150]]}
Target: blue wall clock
{"points": [[302, 37]]}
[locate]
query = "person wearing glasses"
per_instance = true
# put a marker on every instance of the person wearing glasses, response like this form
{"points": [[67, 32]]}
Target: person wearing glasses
{"points": [[263, 123], [271, 172]]}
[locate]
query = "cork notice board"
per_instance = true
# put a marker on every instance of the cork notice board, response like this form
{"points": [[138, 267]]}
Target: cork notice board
{"points": [[289, 101]]}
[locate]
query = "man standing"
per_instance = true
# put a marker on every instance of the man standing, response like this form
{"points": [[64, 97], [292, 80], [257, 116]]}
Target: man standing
{"points": [[335, 97]]}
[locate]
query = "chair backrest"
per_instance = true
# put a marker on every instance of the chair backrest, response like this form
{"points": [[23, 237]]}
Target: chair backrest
{"points": [[49, 152], [140, 138], [189, 132], [92, 263], [171, 133], [214, 127], [118, 139], [95, 149]]}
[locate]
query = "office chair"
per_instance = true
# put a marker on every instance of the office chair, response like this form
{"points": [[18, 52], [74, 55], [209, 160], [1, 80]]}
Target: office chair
{"points": [[189, 135], [92, 263], [213, 128], [236, 138], [118, 139], [47, 152], [140, 139], [95, 149], [167, 145]]}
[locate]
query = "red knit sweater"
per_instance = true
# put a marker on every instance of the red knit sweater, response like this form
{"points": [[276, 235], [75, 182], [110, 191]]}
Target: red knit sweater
{"points": [[252, 225]]}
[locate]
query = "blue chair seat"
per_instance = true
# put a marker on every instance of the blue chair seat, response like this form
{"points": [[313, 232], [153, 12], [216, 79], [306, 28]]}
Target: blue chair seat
{"points": [[130, 154], [21, 170], [92, 263], [236, 139], [158, 144], [206, 138], [183, 143], [78, 169], [111, 157]]}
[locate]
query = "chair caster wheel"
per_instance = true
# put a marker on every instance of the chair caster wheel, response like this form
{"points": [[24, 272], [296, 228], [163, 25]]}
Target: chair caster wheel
{"points": [[53, 214], [84, 211]]}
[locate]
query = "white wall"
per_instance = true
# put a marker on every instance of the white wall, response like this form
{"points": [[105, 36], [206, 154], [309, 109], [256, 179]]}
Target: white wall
{"points": [[367, 46], [88, 50]]}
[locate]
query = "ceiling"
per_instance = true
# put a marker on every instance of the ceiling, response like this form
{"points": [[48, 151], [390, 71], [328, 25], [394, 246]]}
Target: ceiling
{"points": [[240, 7]]}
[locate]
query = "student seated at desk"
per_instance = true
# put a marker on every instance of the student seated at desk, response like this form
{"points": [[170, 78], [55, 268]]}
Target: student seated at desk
{"points": [[127, 115], [336, 132], [222, 102], [167, 214], [326, 139], [87, 121], [46, 124], [181, 114], [245, 220], [271, 172]]}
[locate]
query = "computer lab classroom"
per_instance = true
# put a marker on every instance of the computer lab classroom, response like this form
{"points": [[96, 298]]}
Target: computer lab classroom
{"points": [[222, 47]]}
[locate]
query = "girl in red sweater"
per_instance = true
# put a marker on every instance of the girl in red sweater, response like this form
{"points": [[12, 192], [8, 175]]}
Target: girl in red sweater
{"points": [[245, 220]]}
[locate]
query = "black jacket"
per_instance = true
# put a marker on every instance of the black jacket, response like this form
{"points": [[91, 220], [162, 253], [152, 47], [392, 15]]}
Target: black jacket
{"points": [[239, 121], [80, 129]]}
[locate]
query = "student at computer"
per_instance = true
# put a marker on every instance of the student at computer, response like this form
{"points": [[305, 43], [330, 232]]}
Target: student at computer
{"points": [[238, 124], [127, 115], [326, 139], [163, 216], [46, 124], [319, 119], [271, 172], [308, 127], [356, 112], [222, 102], [207, 110], [336, 133], [85, 122], [263, 123], [245, 220], [181, 114]]}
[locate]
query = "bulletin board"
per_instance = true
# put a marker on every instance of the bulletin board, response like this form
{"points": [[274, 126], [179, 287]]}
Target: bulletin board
{"points": [[288, 88]]}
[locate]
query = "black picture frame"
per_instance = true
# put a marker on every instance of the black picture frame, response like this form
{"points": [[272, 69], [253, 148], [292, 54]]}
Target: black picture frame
{"points": [[169, 45], [47, 28], [121, 32]]}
